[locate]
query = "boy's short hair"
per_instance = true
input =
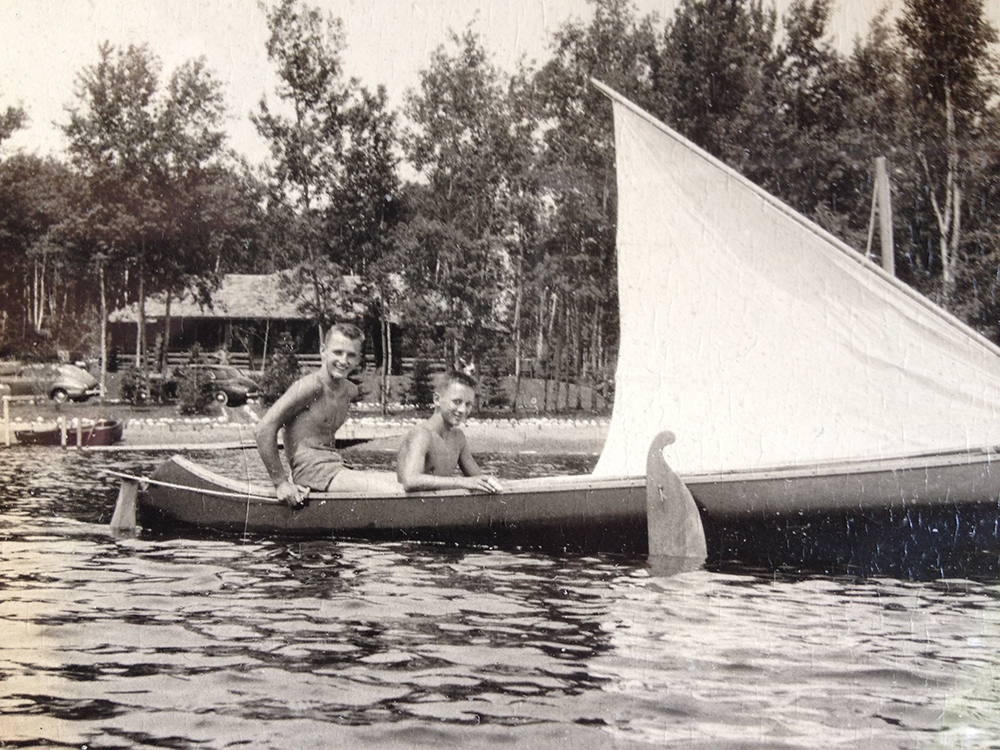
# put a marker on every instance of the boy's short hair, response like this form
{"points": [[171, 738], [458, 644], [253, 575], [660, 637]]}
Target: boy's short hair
{"points": [[454, 376], [348, 330]]}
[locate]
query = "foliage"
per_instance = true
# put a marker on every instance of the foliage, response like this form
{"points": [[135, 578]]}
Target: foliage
{"points": [[471, 140], [281, 371], [12, 119], [366, 202], [334, 184], [713, 75], [305, 45], [491, 392], [194, 396], [42, 288], [951, 77], [504, 240], [196, 354], [134, 385], [151, 153], [321, 291], [420, 391]]}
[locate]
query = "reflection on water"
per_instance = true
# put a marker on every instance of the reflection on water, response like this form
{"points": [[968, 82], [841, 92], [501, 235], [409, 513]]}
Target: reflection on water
{"points": [[279, 644]]}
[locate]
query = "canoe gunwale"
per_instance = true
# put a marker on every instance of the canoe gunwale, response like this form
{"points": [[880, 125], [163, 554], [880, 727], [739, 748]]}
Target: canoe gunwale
{"points": [[953, 479], [219, 485], [832, 467]]}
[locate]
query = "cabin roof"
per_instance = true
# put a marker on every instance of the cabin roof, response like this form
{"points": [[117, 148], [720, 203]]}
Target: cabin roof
{"points": [[240, 295]]}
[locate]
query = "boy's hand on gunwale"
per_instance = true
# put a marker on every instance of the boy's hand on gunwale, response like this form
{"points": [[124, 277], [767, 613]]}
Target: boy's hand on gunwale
{"points": [[483, 483], [291, 494]]}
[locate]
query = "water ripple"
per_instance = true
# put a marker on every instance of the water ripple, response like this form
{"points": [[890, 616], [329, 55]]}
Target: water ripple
{"points": [[217, 644]]}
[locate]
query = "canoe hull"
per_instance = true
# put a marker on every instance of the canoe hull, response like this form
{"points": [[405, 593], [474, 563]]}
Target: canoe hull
{"points": [[957, 478], [563, 512], [894, 516], [911, 517], [102, 432]]}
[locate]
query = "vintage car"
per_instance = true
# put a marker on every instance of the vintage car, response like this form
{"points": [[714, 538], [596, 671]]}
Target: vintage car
{"points": [[227, 384], [60, 382]]}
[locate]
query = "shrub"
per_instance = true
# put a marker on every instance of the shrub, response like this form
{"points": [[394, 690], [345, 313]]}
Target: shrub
{"points": [[421, 391], [196, 354], [193, 397], [492, 393], [281, 371], [134, 388]]}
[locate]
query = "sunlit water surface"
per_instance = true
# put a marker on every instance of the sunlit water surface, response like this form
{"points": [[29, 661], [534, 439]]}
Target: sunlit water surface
{"points": [[277, 644]]}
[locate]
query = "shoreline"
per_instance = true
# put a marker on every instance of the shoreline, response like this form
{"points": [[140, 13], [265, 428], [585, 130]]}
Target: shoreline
{"points": [[162, 428]]}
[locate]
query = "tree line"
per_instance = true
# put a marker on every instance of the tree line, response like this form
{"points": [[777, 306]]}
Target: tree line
{"points": [[481, 215]]}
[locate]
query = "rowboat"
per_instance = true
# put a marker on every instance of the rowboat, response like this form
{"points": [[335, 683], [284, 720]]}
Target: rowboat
{"points": [[81, 433]]}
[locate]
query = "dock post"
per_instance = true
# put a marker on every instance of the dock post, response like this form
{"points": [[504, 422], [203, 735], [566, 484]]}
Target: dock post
{"points": [[6, 417]]}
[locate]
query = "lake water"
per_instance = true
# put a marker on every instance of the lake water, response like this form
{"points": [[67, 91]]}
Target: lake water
{"points": [[184, 643]]}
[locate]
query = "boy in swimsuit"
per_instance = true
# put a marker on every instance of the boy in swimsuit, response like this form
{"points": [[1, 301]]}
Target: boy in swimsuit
{"points": [[433, 449], [311, 411]]}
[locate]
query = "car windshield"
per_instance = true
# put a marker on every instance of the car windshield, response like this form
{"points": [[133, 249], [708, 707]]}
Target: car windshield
{"points": [[37, 370], [226, 372]]}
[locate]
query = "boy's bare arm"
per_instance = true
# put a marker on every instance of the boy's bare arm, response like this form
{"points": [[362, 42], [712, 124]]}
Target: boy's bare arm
{"points": [[281, 413], [410, 469], [466, 462], [411, 459], [471, 469]]}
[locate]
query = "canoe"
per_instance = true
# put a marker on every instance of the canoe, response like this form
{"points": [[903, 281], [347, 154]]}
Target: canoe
{"points": [[84, 434], [573, 512]]}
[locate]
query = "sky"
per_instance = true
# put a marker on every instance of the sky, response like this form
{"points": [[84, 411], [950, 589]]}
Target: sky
{"points": [[44, 44]]}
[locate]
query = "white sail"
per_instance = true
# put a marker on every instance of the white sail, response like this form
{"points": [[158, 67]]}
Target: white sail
{"points": [[760, 340]]}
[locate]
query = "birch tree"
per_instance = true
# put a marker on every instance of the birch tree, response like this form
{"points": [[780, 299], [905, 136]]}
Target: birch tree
{"points": [[306, 132], [951, 69], [471, 140]]}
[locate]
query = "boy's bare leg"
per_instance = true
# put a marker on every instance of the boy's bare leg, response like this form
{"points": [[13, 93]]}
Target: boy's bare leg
{"points": [[374, 482]]}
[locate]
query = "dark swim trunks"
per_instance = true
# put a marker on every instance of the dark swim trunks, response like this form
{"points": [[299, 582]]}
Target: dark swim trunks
{"points": [[315, 467]]}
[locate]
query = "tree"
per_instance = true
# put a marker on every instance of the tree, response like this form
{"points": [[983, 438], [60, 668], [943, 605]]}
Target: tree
{"points": [[366, 202], [366, 206], [871, 123], [471, 141], [12, 119], [714, 79], [818, 157], [42, 289], [307, 137], [949, 67], [150, 154], [572, 310]]}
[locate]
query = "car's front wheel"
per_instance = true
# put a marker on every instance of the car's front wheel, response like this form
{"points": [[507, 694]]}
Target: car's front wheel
{"points": [[221, 398], [60, 396]]}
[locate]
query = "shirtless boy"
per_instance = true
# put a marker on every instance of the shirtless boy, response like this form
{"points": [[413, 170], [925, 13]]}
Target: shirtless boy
{"points": [[311, 411], [434, 448]]}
